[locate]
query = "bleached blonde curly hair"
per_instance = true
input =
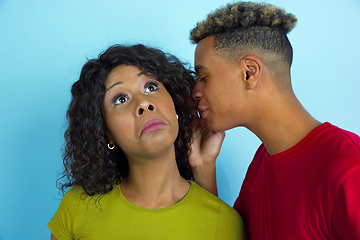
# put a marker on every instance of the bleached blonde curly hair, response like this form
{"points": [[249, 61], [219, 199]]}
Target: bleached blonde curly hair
{"points": [[246, 26], [242, 15]]}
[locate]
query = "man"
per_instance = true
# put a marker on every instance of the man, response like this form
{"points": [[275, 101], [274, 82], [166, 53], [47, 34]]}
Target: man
{"points": [[304, 180]]}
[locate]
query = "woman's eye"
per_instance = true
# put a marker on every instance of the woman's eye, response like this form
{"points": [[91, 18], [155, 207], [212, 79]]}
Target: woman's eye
{"points": [[120, 99], [151, 87]]}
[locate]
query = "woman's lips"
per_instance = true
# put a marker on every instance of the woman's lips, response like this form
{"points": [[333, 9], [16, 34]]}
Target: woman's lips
{"points": [[152, 125]]}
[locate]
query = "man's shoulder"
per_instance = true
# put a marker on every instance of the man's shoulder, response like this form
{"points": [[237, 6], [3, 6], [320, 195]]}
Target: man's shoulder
{"points": [[339, 140]]}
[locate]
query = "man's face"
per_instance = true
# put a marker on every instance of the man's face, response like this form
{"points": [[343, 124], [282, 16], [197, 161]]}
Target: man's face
{"points": [[218, 88]]}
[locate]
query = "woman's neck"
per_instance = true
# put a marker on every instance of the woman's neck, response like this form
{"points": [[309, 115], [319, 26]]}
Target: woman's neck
{"points": [[154, 183]]}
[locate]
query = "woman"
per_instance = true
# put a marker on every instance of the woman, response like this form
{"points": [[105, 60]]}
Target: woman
{"points": [[127, 146]]}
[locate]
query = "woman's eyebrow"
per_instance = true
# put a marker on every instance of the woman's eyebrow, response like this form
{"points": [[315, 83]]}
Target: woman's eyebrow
{"points": [[115, 84], [120, 82]]}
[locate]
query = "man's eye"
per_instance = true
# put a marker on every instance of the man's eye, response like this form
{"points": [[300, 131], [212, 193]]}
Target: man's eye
{"points": [[120, 99], [201, 79], [151, 87]]}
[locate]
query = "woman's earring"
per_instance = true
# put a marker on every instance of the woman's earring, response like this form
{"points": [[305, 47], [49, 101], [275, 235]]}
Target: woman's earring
{"points": [[111, 146], [177, 117]]}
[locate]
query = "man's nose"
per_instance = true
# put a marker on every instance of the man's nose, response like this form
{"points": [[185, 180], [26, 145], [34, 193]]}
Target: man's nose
{"points": [[197, 91]]}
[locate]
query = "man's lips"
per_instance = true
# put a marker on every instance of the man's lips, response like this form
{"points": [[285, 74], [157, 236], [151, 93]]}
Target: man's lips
{"points": [[203, 112], [152, 125]]}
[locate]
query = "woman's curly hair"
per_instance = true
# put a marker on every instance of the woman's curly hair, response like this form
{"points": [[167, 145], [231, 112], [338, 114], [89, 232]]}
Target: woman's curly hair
{"points": [[87, 160]]}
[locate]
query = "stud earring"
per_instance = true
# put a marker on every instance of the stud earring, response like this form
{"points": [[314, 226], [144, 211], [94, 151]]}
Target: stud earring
{"points": [[111, 146], [177, 117]]}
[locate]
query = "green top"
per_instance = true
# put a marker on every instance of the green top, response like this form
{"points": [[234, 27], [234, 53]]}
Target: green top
{"points": [[199, 215]]}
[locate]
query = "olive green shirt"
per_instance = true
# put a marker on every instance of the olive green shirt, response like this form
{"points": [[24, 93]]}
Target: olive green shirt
{"points": [[199, 215]]}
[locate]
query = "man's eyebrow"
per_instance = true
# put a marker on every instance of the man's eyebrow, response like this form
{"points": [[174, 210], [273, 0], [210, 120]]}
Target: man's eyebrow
{"points": [[115, 84], [199, 67]]}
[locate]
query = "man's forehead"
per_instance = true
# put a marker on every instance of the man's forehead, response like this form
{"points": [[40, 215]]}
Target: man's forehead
{"points": [[204, 49], [205, 44]]}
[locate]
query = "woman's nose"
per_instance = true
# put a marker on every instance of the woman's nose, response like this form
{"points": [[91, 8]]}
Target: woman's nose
{"points": [[144, 107], [142, 110]]}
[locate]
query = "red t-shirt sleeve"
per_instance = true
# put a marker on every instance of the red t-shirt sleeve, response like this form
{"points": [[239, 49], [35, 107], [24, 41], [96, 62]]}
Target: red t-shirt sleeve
{"points": [[346, 218]]}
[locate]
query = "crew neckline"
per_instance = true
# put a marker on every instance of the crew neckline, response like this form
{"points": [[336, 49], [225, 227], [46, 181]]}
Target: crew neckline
{"points": [[156, 210], [313, 133]]}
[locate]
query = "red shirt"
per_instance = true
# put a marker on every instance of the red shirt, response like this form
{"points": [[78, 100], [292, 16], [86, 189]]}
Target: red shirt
{"points": [[310, 191]]}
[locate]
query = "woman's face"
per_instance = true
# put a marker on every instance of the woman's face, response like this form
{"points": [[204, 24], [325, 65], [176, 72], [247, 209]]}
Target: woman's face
{"points": [[139, 113]]}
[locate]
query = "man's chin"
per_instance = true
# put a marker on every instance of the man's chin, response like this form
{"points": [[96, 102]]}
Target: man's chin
{"points": [[215, 126], [219, 125]]}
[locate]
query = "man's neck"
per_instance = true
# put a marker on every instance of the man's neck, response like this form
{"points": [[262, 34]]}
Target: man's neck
{"points": [[283, 125]]}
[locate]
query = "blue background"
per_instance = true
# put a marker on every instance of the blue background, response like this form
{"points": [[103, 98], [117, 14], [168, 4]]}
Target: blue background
{"points": [[43, 45]]}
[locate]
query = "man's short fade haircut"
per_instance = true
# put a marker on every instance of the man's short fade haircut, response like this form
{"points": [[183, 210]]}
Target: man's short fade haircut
{"points": [[244, 26]]}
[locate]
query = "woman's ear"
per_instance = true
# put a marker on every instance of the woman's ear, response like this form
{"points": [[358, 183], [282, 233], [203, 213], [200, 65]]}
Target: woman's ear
{"points": [[108, 136], [251, 70]]}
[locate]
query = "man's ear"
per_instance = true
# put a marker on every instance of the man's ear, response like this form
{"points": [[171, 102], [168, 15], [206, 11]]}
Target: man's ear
{"points": [[251, 70]]}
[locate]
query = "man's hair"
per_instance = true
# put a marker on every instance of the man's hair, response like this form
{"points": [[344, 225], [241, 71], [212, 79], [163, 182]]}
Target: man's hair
{"points": [[246, 28]]}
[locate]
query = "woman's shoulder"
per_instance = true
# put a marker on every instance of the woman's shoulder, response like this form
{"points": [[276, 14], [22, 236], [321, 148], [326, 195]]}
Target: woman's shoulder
{"points": [[229, 223], [76, 195], [208, 198], [73, 194]]}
